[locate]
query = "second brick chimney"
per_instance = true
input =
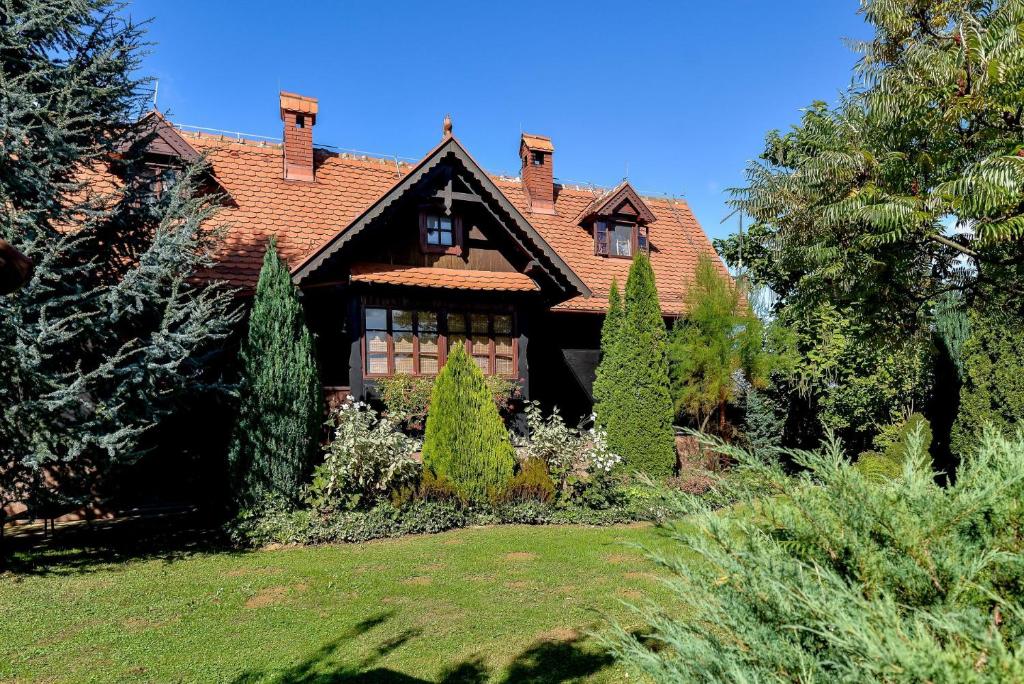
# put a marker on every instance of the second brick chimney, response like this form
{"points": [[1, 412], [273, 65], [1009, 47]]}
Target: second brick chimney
{"points": [[537, 154], [299, 115]]}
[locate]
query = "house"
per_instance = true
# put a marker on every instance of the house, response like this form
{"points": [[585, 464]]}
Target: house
{"points": [[399, 261]]}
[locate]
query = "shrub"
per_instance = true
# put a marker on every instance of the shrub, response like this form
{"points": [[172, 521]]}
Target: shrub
{"points": [[364, 461], [281, 405], [893, 446], [531, 483], [578, 459], [429, 488], [466, 440], [835, 578], [993, 383], [634, 403], [406, 398]]}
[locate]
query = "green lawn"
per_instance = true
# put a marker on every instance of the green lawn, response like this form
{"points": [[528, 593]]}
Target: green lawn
{"points": [[489, 604]]}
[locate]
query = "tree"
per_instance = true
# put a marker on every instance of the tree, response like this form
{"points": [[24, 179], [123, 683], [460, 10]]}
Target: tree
{"points": [[281, 403], [718, 338], [607, 377], [836, 577], [112, 334], [636, 405], [466, 441]]}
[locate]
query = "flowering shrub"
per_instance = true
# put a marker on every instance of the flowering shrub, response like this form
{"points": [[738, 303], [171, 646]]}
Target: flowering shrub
{"points": [[578, 459], [366, 459]]}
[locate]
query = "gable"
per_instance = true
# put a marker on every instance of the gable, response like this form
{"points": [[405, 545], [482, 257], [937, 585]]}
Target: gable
{"points": [[449, 177], [158, 138], [621, 200]]}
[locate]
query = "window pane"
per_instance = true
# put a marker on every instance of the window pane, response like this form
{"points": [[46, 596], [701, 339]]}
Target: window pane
{"points": [[403, 363], [427, 320], [445, 223], [480, 323], [433, 231], [376, 342], [456, 340], [503, 366], [403, 342], [503, 324], [641, 240], [622, 240], [481, 345], [503, 345], [428, 343], [376, 319], [428, 365], [456, 323], [401, 320], [446, 239], [483, 363], [377, 363]]}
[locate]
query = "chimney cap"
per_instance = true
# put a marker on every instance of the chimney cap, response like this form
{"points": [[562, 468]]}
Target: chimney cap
{"points": [[537, 143], [300, 104]]}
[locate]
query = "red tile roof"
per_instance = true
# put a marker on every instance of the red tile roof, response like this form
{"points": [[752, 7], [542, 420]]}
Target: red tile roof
{"points": [[304, 216], [448, 278]]}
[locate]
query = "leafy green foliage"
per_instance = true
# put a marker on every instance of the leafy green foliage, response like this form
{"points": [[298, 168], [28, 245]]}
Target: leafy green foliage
{"points": [[281, 404], [893, 447], [531, 483], [466, 441], [366, 459], [839, 578], [993, 383], [632, 398], [608, 380], [110, 336], [718, 338]]}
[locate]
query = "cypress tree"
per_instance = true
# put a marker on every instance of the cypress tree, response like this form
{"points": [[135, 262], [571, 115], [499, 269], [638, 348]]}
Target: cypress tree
{"points": [[466, 440], [637, 411], [607, 378], [280, 410]]}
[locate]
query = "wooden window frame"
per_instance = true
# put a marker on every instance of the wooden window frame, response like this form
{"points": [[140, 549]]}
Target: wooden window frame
{"points": [[442, 338], [455, 248], [640, 240]]}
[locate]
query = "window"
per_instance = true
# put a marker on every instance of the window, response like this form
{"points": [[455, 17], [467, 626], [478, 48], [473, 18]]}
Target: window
{"points": [[440, 233], [620, 239], [418, 342]]}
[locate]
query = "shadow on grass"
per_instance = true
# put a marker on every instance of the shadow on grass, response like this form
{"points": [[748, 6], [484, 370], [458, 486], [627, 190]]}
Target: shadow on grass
{"points": [[544, 662], [82, 548]]}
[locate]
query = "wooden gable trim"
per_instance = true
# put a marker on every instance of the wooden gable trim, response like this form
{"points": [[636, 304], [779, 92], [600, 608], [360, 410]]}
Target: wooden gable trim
{"points": [[556, 266], [154, 130], [612, 203]]}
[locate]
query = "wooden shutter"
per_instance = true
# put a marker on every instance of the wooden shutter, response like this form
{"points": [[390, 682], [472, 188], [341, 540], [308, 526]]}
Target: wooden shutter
{"points": [[601, 238]]}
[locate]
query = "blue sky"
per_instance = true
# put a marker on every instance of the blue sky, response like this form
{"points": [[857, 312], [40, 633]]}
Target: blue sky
{"points": [[680, 93]]}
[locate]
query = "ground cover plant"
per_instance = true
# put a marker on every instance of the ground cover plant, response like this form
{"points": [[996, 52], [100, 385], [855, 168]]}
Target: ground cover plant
{"points": [[500, 604], [835, 575]]}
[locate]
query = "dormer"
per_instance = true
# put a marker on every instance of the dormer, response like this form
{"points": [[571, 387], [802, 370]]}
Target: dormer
{"points": [[619, 222]]}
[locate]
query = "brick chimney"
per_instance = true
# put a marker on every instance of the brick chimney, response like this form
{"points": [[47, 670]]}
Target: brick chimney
{"points": [[299, 115], [537, 154]]}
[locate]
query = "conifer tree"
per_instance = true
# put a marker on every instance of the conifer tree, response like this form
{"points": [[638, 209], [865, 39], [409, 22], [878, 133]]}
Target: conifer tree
{"points": [[466, 441], [638, 411], [280, 410], [111, 333], [607, 378]]}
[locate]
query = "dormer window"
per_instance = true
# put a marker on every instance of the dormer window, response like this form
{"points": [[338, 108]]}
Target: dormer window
{"points": [[439, 232], [620, 239]]}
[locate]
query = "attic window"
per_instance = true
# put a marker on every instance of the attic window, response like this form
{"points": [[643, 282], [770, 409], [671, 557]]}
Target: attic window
{"points": [[620, 239], [440, 233]]}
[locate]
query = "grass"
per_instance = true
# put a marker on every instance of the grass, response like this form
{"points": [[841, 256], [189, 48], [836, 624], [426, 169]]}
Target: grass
{"points": [[501, 604]]}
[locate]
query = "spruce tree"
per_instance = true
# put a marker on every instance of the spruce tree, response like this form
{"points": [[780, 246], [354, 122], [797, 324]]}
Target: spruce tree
{"points": [[280, 408], [637, 412], [607, 370], [111, 334], [466, 441]]}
